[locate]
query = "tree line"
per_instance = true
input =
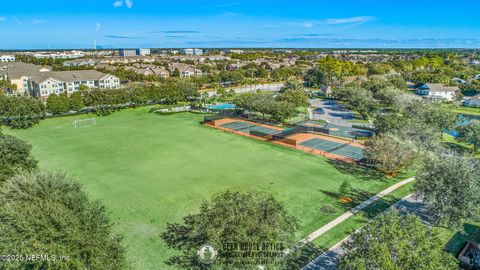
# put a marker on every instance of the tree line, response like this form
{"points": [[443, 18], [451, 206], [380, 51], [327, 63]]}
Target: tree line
{"points": [[50, 213], [274, 107]]}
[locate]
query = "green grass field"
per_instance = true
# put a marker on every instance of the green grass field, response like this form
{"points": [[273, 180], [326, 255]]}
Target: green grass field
{"points": [[150, 169]]}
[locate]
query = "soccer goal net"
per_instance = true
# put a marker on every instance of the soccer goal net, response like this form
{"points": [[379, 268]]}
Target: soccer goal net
{"points": [[84, 123]]}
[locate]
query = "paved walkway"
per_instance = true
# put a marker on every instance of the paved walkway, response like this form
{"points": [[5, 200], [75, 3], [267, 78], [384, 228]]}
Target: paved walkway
{"points": [[355, 210], [329, 260]]}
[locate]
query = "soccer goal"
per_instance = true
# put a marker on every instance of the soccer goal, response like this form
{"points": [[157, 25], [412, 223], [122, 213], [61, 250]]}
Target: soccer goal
{"points": [[84, 123]]}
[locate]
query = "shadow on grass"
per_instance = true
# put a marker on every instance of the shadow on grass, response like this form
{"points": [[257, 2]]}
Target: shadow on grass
{"points": [[359, 171], [356, 196], [470, 232], [461, 149]]}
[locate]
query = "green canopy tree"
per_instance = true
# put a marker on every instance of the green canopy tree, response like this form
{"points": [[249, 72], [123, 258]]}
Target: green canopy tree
{"points": [[231, 217], [389, 154], [75, 101], [15, 157], [450, 186], [470, 133], [282, 110], [57, 104], [20, 112], [46, 213], [294, 96], [394, 242]]}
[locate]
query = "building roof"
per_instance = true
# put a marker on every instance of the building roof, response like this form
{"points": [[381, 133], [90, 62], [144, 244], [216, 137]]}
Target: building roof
{"points": [[17, 70], [437, 87], [72, 76], [477, 97]]}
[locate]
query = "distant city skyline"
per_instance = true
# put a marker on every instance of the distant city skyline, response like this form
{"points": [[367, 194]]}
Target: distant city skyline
{"points": [[75, 24]]}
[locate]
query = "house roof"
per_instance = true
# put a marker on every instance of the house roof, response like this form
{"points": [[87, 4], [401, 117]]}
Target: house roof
{"points": [[477, 97], [437, 87]]}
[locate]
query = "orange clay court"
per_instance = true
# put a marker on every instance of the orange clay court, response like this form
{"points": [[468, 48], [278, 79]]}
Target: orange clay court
{"points": [[315, 143]]}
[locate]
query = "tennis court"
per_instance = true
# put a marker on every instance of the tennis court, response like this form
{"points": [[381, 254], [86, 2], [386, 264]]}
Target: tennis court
{"points": [[247, 127], [342, 131], [337, 148]]}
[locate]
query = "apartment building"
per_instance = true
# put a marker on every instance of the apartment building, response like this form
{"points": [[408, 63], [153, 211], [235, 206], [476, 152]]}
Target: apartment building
{"points": [[38, 81], [20, 74], [68, 82]]}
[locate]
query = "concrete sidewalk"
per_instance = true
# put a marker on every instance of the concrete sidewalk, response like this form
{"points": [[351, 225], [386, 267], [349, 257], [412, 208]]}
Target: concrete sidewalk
{"points": [[355, 210], [329, 260]]}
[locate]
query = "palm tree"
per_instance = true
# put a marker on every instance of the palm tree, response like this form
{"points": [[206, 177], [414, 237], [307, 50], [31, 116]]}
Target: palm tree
{"points": [[291, 85]]}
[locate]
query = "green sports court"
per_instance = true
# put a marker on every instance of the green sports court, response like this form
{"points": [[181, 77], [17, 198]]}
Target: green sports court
{"points": [[248, 127], [337, 148]]}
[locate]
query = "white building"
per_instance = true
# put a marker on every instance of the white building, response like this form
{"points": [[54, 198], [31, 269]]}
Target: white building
{"points": [[192, 51], [436, 91], [68, 82], [127, 52], [62, 55], [7, 58], [143, 52]]}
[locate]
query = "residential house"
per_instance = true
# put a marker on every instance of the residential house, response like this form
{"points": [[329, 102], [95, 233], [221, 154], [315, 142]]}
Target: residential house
{"points": [[459, 81], [472, 101], [7, 58], [150, 70], [436, 91], [186, 71], [80, 62]]}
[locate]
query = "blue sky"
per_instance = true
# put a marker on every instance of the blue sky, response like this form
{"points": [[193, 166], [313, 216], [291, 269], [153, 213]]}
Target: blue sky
{"points": [[59, 24]]}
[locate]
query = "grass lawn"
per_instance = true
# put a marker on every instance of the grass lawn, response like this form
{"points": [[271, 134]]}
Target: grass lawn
{"points": [[150, 169], [467, 110], [464, 148], [353, 223]]}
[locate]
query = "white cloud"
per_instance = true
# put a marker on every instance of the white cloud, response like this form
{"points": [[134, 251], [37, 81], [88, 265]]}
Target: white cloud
{"points": [[359, 19], [35, 22], [98, 26], [17, 20], [230, 14], [353, 21], [308, 24], [129, 3], [118, 3], [2, 19]]}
